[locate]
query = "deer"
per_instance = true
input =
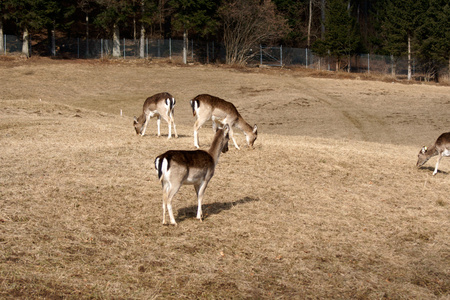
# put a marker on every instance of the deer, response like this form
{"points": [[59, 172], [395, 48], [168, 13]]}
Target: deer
{"points": [[160, 105], [441, 148], [207, 107], [189, 167]]}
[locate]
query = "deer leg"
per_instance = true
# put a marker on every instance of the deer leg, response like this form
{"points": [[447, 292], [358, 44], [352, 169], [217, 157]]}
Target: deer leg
{"points": [[168, 119], [197, 126], [174, 126], [171, 193], [158, 122], [232, 137], [164, 208], [200, 189], [147, 119], [166, 190], [437, 164]]}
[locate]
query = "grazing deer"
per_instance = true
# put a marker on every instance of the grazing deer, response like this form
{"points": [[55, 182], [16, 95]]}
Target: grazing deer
{"points": [[178, 167], [207, 107], [441, 147], [160, 105]]}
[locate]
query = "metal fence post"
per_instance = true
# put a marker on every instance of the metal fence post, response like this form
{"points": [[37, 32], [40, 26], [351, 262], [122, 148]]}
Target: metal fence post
{"points": [[192, 53], [306, 57], [281, 55], [260, 54], [5, 44], [170, 48], [101, 48], [328, 60], [124, 48], [159, 48]]}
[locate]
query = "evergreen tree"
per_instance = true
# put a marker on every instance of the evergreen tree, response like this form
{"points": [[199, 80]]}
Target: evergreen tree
{"points": [[401, 19], [434, 38], [194, 15], [295, 13], [342, 38], [54, 15], [25, 13], [114, 14]]}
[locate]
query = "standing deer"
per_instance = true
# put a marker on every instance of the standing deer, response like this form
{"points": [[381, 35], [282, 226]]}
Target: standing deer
{"points": [[178, 167], [207, 107], [159, 105], [441, 148]]}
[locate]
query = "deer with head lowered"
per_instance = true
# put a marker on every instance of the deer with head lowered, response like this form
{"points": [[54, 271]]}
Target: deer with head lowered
{"points": [[441, 148], [182, 167], [160, 105], [207, 107]]}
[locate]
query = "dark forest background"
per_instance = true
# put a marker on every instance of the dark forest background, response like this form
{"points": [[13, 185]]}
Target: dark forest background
{"points": [[337, 28]]}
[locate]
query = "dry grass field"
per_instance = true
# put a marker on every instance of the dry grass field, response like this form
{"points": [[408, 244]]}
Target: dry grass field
{"points": [[329, 204]]}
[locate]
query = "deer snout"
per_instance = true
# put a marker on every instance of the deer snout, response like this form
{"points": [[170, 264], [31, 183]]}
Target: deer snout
{"points": [[225, 148]]}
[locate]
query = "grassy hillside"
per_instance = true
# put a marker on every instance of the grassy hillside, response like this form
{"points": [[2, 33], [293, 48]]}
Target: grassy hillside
{"points": [[300, 216]]}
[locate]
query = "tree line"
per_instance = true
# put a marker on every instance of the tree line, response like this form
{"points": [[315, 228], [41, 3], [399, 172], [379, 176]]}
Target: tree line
{"points": [[418, 29]]}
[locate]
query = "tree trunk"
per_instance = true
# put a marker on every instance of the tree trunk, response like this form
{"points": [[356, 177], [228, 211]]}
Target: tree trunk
{"points": [[116, 41], [25, 43], [349, 64], [185, 41], [142, 42], [309, 24], [323, 19], [409, 57], [52, 41], [142, 35], [394, 66], [87, 35]]}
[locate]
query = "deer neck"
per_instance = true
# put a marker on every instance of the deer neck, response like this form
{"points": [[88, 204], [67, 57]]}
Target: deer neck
{"points": [[244, 126], [216, 148], [141, 118], [432, 151]]}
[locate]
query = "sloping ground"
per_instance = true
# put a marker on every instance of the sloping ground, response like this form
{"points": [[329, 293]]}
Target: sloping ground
{"points": [[297, 217]]}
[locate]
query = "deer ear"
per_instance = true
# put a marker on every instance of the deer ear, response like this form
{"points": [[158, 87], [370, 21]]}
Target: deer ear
{"points": [[226, 128], [255, 129], [135, 120], [424, 149]]}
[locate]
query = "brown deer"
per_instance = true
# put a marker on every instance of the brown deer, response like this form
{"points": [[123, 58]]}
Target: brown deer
{"points": [[441, 148], [160, 105], [207, 107], [177, 167]]}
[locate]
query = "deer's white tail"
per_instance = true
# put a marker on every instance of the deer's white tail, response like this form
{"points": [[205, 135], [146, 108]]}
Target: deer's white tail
{"points": [[161, 166]]}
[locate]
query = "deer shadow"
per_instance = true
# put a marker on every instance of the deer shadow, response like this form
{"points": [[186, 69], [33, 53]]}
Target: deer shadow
{"points": [[431, 168], [210, 208], [155, 135]]}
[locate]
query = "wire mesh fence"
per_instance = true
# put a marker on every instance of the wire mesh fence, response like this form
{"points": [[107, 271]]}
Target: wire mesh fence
{"points": [[211, 52]]}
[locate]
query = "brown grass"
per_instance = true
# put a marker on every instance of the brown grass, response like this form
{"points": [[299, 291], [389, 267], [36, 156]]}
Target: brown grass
{"points": [[328, 205]]}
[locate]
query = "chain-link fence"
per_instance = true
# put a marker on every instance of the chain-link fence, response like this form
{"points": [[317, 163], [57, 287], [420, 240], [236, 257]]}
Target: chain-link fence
{"points": [[210, 52]]}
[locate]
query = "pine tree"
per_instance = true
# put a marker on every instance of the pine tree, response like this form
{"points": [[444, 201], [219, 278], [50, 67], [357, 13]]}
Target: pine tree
{"points": [[341, 34], [434, 38], [194, 15], [26, 16], [114, 14], [401, 19]]}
